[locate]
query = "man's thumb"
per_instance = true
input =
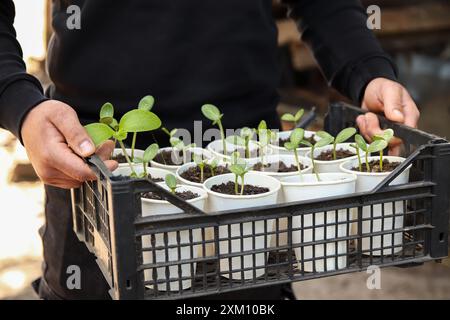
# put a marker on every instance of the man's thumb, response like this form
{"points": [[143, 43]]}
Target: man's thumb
{"points": [[393, 105], [76, 136]]}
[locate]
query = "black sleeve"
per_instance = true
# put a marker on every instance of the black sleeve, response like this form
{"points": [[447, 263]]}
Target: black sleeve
{"points": [[346, 50], [19, 91]]}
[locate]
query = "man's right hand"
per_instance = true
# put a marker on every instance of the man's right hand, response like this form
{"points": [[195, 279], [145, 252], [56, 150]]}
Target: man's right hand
{"points": [[55, 142]]}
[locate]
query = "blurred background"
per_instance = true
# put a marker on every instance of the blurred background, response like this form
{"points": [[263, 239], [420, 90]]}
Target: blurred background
{"points": [[416, 33]]}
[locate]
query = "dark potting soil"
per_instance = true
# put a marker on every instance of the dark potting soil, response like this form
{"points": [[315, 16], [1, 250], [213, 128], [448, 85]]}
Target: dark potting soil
{"points": [[253, 153], [123, 178], [340, 154], [375, 166], [173, 158], [194, 174], [169, 158], [228, 188], [120, 158], [185, 195], [276, 167], [282, 141]]}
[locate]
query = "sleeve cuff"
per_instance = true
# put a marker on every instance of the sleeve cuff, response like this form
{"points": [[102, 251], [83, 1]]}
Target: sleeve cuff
{"points": [[15, 101], [367, 70]]}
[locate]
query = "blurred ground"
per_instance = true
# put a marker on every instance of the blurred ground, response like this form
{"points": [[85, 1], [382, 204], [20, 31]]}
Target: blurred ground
{"points": [[21, 215]]}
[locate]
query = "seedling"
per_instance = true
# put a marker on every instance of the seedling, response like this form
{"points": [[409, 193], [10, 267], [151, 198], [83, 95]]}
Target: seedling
{"points": [[213, 113], [213, 165], [295, 118], [341, 137], [171, 182], [146, 103], [387, 135], [149, 154], [295, 139], [178, 145], [133, 121], [198, 159], [243, 140], [239, 168], [265, 137], [324, 141], [359, 144], [107, 115], [375, 146]]}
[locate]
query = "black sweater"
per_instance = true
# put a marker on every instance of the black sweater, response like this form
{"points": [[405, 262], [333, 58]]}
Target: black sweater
{"points": [[185, 53]]}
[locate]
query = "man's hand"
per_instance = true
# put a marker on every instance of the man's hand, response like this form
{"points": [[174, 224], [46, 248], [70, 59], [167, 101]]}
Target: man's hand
{"points": [[392, 99], [55, 140]]}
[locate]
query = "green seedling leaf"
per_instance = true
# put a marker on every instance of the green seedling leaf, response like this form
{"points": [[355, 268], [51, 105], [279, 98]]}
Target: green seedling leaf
{"points": [[198, 159], [246, 132], [171, 182], [297, 136], [237, 169], [107, 111], [146, 103], [262, 125], [176, 143], [299, 115], [361, 142], [324, 135], [345, 134], [324, 141], [99, 132], [138, 120], [236, 140], [120, 135], [290, 146], [114, 124], [214, 162], [211, 112], [288, 117], [150, 153], [377, 146], [306, 143], [387, 135]]}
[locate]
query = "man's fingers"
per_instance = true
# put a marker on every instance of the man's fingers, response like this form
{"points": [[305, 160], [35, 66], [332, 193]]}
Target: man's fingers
{"points": [[111, 165], [70, 164], [369, 125], [66, 121], [410, 111], [105, 150], [393, 103]]}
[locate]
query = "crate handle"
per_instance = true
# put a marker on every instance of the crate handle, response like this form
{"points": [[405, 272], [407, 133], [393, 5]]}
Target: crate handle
{"points": [[97, 165]]}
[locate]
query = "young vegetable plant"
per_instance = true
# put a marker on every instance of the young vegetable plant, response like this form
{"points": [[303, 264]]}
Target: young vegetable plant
{"points": [[296, 138], [198, 159], [179, 145], [295, 118], [387, 135], [265, 137], [133, 121], [359, 141], [171, 182], [239, 168], [213, 165], [146, 103], [324, 141], [341, 137], [243, 139], [375, 146], [213, 113], [149, 154]]}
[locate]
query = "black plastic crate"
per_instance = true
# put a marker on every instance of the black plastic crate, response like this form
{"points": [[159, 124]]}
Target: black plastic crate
{"points": [[107, 218]]}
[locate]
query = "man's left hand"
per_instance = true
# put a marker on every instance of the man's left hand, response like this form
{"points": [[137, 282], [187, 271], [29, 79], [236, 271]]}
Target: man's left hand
{"points": [[392, 99]]}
